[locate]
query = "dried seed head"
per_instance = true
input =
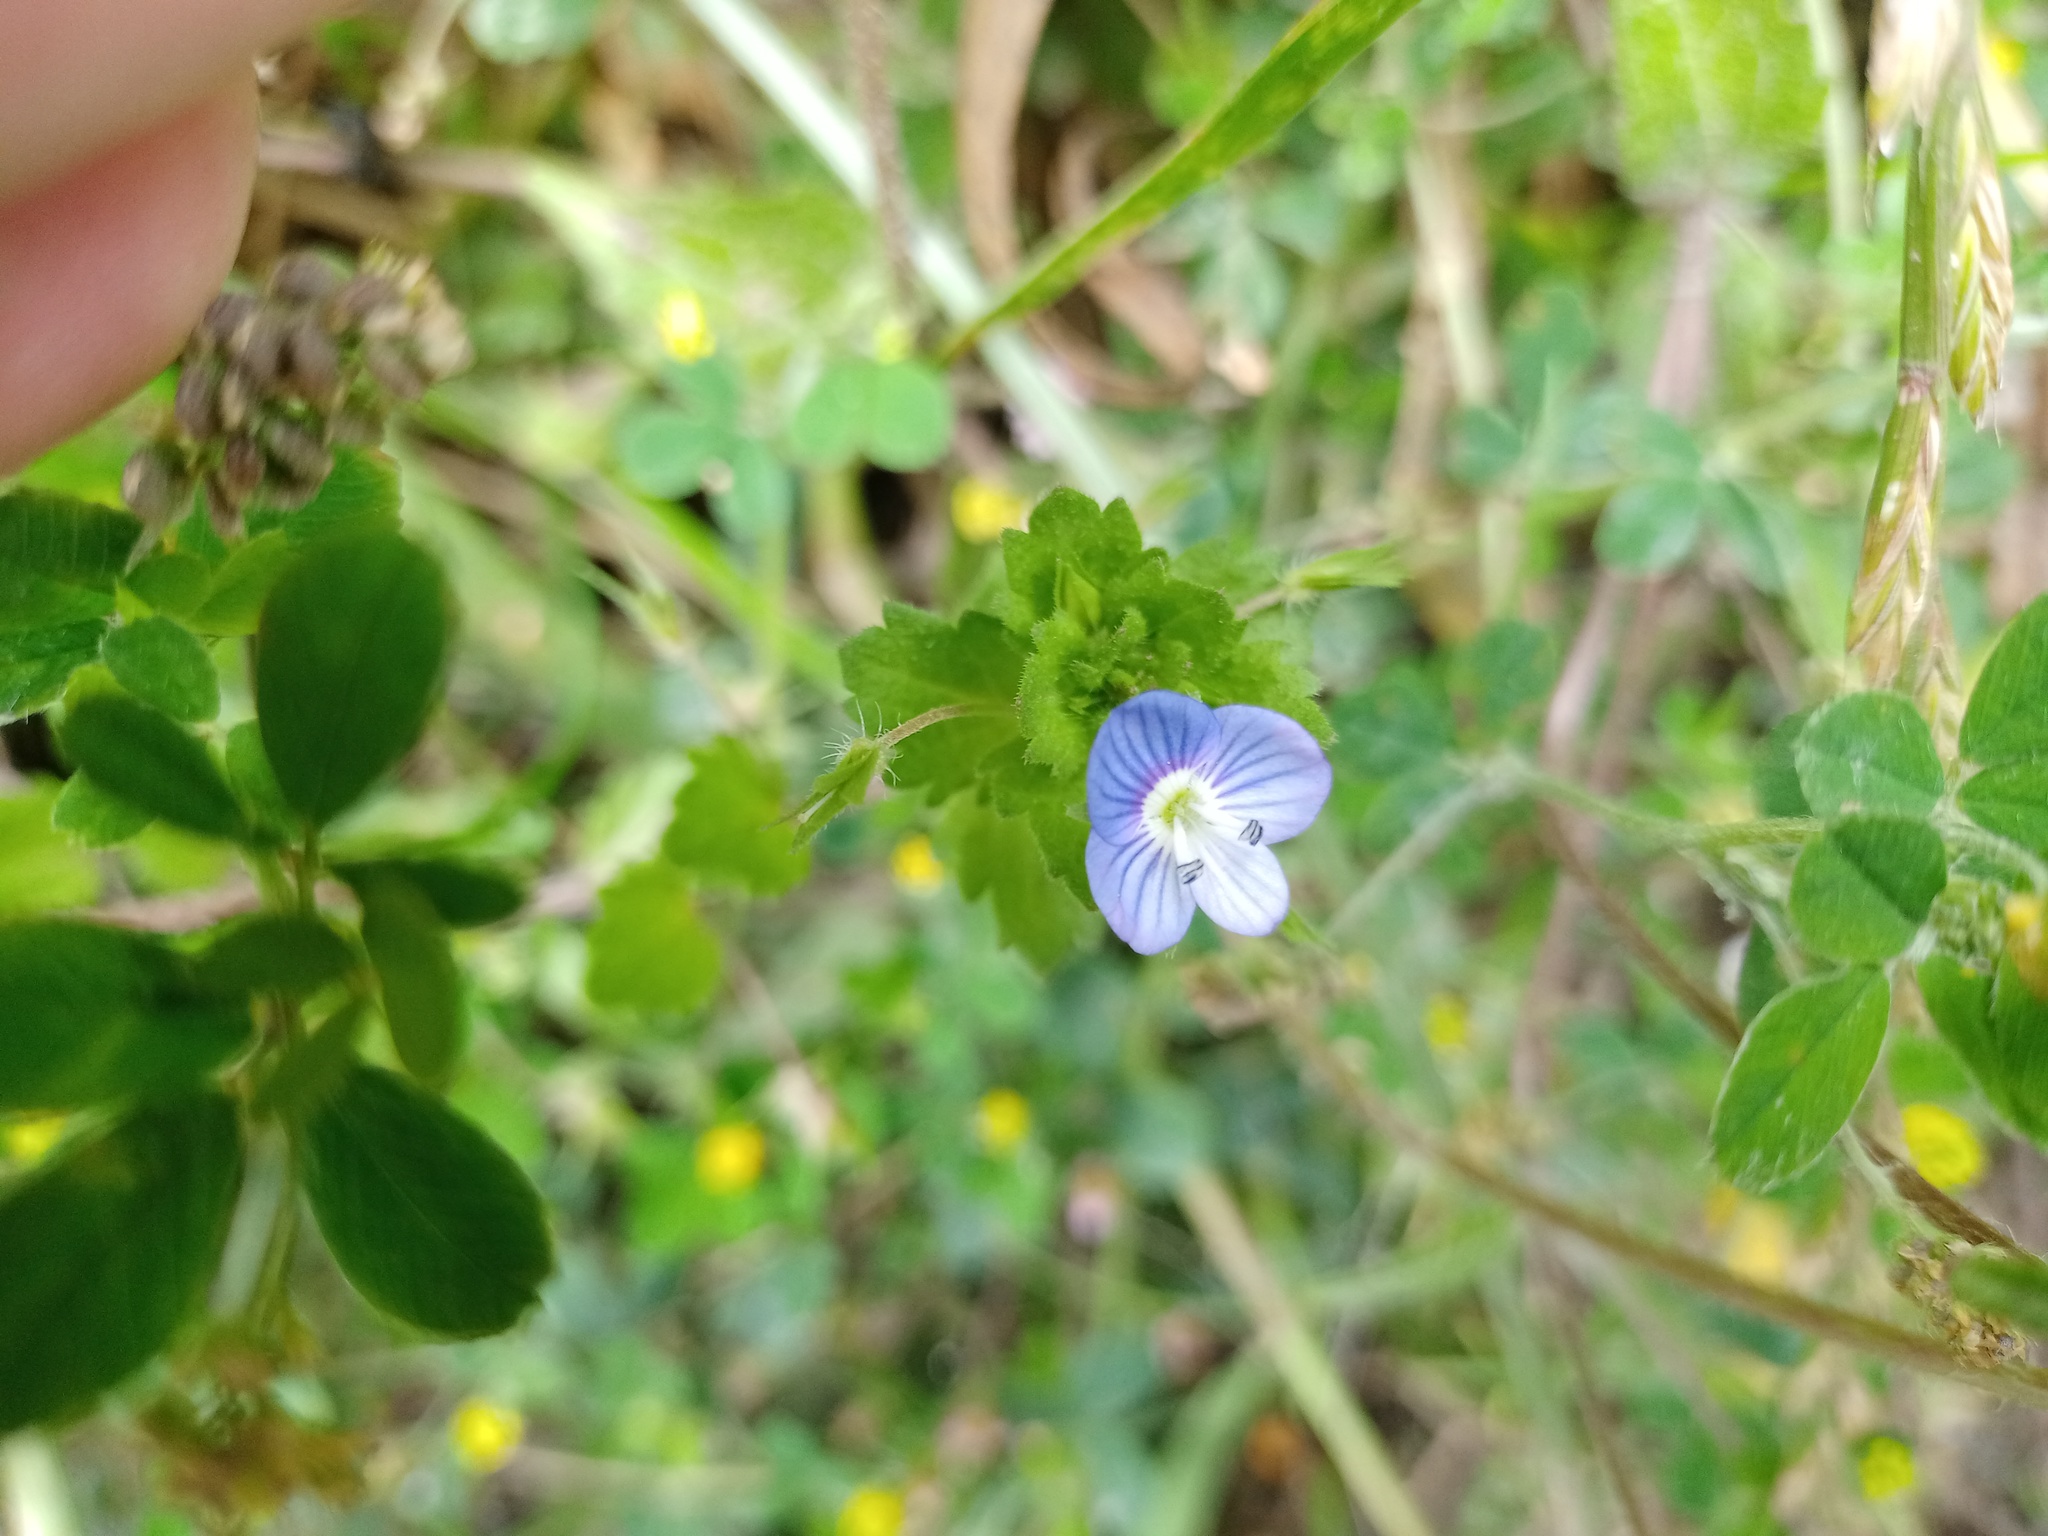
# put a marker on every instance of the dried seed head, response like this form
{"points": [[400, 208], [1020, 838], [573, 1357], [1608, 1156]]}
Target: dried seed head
{"points": [[234, 401], [289, 494], [356, 428], [1980, 277], [1913, 44], [242, 467], [298, 452], [156, 485], [313, 363], [223, 317], [363, 295], [195, 407], [258, 346], [305, 277], [390, 366]]}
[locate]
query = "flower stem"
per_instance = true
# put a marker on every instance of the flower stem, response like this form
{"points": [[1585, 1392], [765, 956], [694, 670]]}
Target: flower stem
{"points": [[930, 717]]}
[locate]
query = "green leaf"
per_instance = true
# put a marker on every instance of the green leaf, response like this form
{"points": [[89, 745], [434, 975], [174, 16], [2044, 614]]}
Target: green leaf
{"points": [[664, 452], [97, 1014], [349, 659], [1762, 977], [1373, 565], [2000, 1029], [416, 972], [314, 1068], [1868, 752], [2008, 1285], [162, 663], [427, 1216], [141, 755], [729, 824], [2011, 800], [1314, 49], [1399, 722], [997, 856], [249, 772], [1796, 1077], [35, 664], [2007, 717], [467, 895], [913, 662], [1862, 889], [41, 868], [274, 952], [93, 816], [840, 788], [1718, 95], [59, 559], [649, 949], [236, 594], [761, 500], [1773, 776], [1650, 527], [361, 494], [171, 581], [109, 1245], [910, 416]]}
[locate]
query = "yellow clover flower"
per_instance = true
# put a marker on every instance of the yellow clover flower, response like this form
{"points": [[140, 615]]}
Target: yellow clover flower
{"points": [[485, 1434], [982, 510], [1447, 1024], [730, 1158], [685, 328], [1885, 1467], [916, 867], [1001, 1121], [871, 1511], [1942, 1145]]}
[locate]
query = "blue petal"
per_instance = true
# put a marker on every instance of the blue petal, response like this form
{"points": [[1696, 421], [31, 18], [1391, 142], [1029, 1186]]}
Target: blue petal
{"points": [[1241, 887], [1266, 768], [1141, 742], [1139, 891]]}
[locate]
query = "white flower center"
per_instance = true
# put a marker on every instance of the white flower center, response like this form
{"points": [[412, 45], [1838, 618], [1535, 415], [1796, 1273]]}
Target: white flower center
{"points": [[1184, 815]]}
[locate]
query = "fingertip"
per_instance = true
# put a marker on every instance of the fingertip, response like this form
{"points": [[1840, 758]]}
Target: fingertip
{"points": [[104, 272]]}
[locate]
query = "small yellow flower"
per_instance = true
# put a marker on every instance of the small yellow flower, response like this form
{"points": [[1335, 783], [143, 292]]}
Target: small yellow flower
{"points": [[892, 341], [1759, 1243], [485, 1434], [871, 1511], [917, 869], [29, 1140], [685, 328], [1002, 1120], [1447, 1024], [983, 509], [730, 1158], [2008, 55], [1942, 1145], [1885, 1468]]}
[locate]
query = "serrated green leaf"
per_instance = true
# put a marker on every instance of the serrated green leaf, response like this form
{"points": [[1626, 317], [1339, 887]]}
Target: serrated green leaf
{"points": [[1714, 93], [109, 1245], [349, 660], [416, 973], [649, 950], [273, 952], [1306, 59], [729, 823], [1796, 1077], [1862, 889], [97, 1014], [1868, 752], [94, 816], [2007, 717], [162, 663], [59, 559], [1649, 528], [913, 662], [428, 1218], [141, 755], [997, 856]]}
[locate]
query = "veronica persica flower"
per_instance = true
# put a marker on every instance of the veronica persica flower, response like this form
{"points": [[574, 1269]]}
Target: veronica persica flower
{"points": [[1184, 805]]}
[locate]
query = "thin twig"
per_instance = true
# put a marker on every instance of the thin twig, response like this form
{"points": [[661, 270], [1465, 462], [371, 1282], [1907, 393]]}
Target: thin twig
{"points": [[867, 44], [1917, 1351]]}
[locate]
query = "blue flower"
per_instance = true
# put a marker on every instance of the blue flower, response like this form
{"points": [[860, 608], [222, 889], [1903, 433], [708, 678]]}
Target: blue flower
{"points": [[1184, 803]]}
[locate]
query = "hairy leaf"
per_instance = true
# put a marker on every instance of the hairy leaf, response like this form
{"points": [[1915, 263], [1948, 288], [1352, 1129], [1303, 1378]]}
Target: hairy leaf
{"points": [[997, 856]]}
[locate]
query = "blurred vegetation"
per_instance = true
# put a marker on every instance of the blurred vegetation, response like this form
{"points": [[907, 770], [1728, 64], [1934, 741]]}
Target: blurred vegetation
{"points": [[890, 1194]]}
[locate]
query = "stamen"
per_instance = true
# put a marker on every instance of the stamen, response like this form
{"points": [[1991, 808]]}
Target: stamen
{"points": [[1251, 834], [1190, 872]]}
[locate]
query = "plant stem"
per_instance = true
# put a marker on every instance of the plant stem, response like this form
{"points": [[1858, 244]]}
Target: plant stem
{"points": [[1355, 1447], [1917, 1351], [917, 723]]}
